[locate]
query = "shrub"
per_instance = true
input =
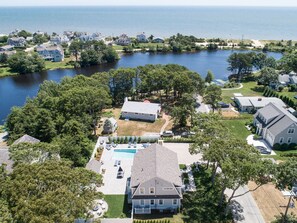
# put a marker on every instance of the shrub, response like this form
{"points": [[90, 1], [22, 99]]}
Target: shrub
{"points": [[280, 88], [277, 146]]}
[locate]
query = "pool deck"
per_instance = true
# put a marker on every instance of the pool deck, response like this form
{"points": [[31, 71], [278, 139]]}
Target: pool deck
{"points": [[112, 185]]}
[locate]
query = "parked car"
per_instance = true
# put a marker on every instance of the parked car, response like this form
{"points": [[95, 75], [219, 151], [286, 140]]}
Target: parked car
{"points": [[187, 134], [167, 134], [223, 104], [263, 150]]}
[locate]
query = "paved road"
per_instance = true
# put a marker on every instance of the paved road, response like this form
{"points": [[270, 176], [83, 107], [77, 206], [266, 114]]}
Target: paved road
{"points": [[251, 211]]}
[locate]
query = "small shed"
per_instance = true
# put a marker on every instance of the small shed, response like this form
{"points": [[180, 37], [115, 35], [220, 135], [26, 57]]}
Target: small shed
{"points": [[110, 125]]}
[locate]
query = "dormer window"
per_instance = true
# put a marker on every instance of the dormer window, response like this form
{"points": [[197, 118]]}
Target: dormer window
{"points": [[291, 131], [142, 190], [152, 190]]}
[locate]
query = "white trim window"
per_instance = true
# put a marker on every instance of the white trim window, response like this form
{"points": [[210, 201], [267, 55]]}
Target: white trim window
{"points": [[141, 202], [174, 201], [152, 190], [152, 202], [281, 140], [291, 131], [161, 202], [142, 190], [289, 140]]}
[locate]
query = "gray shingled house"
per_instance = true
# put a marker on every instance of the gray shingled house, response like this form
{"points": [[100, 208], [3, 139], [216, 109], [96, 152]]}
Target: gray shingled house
{"points": [[156, 183], [145, 111], [26, 138], [276, 125]]}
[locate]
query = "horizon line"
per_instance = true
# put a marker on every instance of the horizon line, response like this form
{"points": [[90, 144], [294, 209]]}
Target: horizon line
{"points": [[92, 5]]}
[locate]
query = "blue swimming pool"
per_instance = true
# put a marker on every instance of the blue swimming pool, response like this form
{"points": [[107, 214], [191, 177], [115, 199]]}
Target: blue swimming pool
{"points": [[124, 153]]}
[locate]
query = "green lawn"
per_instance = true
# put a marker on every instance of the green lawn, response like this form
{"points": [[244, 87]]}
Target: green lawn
{"points": [[237, 127], [117, 206], [5, 71], [248, 89], [117, 47], [57, 65]]}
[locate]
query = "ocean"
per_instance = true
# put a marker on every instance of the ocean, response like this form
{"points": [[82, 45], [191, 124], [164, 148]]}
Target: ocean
{"points": [[207, 22]]}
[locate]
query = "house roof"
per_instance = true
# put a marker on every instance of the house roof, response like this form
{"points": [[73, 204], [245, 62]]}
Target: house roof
{"points": [[141, 107], [259, 102], [94, 165], [112, 120], [5, 159], [155, 162], [285, 78], [49, 48], [282, 118], [26, 138]]}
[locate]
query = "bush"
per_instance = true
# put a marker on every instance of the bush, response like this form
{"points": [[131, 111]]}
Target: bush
{"points": [[280, 88], [277, 147]]}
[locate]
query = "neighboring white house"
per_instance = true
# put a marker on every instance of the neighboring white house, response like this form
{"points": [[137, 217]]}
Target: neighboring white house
{"points": [[123, 40], [250, 104], [90, 37], [141, 38], [6, 48], [59, 39], [156, 182], [53, 53], [145, 111], [110, 128], [17, 41], [276, 124]]}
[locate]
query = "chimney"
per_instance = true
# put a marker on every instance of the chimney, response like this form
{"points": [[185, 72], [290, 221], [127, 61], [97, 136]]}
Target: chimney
{"points": [[259, 99]]}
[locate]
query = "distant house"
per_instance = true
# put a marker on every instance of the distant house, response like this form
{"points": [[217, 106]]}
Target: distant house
{"points": [[145, 111], [276, 124], [156, 183], [110, 125], [158, 40], [286, 79], [17, 41], [26, 138], [250, 104], [58, 40], [123, 40], [141, 38], [6, 48], [90, 37], [53, 53]]}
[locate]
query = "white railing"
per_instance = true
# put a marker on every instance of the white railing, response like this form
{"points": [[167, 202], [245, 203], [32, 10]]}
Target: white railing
{"points": [[145, 210]]}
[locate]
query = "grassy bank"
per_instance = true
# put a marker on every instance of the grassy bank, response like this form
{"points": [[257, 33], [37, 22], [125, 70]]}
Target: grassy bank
{"points": [[5, 71], [117, 206]]}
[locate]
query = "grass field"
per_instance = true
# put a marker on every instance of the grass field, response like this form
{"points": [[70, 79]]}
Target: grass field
{"points": [[57, 65], [5, 71], [177, 218], [248, 89], [237, 127], [117, 206]]}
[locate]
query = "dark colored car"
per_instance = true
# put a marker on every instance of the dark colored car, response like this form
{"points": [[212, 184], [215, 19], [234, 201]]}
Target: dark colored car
{"points": [[187, 134], [263, 150], [223, 104]]}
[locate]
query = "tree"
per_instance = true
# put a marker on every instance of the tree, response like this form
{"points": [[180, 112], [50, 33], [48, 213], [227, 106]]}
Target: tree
{"points": [[267, 76], [23, 63], [240, 64], [108, 126], [50, 192], [286, 178], [29, 153], [209, 77], [3, 58], [288, 62], [212, 96], [75, 48], [24, 33]]}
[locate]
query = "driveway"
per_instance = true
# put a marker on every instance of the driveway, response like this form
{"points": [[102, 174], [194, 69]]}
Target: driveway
{"points": [[259, 142], [203, 108], [251, 212]]}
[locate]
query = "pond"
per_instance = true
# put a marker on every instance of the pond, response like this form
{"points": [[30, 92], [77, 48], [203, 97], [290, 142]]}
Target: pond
{"points": [[15, 89]]}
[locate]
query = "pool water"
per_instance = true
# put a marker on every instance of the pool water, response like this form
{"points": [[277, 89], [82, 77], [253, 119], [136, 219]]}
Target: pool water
{"points": [[124, 154]]}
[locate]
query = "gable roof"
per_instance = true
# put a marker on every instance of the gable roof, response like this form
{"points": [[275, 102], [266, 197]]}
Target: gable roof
{"points": [[94, 165], [155, 162], [5, 159], [282, 118], [26, 138], [141, 107], [259, 101]]}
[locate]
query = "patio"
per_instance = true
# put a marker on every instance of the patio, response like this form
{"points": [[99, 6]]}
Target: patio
{"points": [[259, 142]]}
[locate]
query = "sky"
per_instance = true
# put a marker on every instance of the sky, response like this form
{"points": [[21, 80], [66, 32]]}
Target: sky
{"points": [[284, 3]]}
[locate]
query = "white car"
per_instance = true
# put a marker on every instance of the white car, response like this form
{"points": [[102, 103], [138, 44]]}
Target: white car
{"points": [[167, 134]]}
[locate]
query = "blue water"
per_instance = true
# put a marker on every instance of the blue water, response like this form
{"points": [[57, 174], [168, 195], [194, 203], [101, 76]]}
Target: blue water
{"points": [[226, 22], [124, 154], [14, 90]]}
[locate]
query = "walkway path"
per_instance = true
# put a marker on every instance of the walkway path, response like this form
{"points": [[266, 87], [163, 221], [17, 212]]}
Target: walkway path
{"points": [[167, 119], [230, 89]]}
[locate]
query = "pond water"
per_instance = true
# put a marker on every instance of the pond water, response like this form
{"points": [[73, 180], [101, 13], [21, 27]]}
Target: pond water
{"points": [[15, 89]]}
